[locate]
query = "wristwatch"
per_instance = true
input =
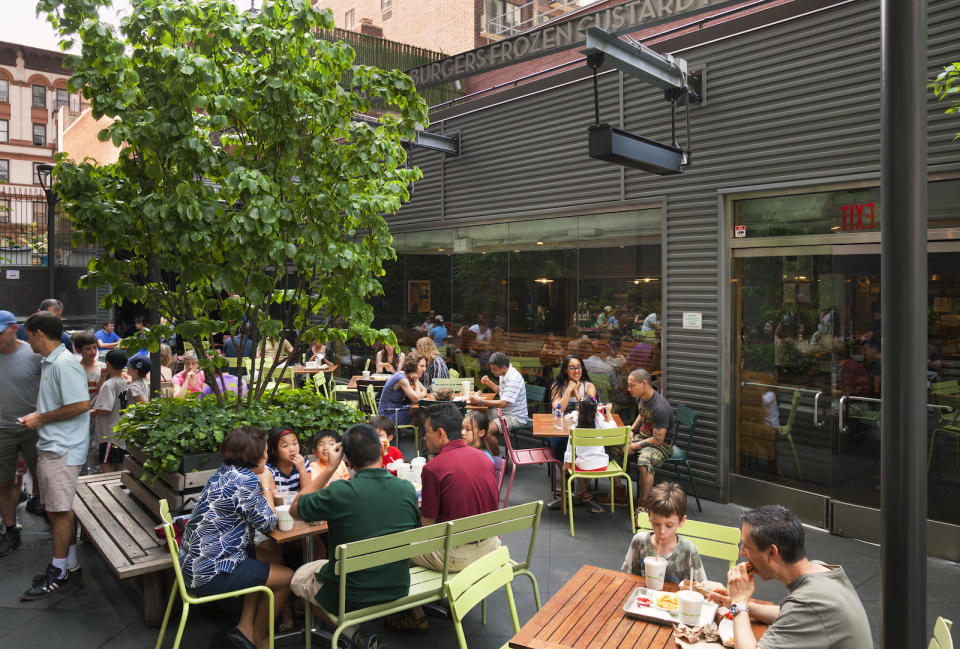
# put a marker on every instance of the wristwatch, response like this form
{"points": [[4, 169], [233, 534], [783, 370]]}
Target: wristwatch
{"points": [[737, 608]]}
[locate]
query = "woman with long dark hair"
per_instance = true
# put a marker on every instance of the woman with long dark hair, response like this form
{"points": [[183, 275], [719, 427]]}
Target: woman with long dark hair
{"points": [[571, 386]]}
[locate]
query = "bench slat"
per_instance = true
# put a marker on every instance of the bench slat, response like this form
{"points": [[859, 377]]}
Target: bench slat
{"points": [[112, 523], [101, 540], [135, 511], [142, 541]]}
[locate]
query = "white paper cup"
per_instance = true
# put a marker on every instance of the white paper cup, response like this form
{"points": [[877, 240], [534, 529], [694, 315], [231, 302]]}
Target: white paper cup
{"points": [[284, 519], [402, 469], [655, 569], [466, 385], [690, 602], [311, 364]]}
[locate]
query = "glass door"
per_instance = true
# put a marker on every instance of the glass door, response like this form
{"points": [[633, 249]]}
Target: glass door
{"points": [[809, 355]]}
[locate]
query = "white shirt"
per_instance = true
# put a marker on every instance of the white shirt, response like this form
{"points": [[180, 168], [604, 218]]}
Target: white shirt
{"points": [[592, 458]]}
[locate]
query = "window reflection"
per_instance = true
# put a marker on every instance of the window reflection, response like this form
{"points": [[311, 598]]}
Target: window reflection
{"points": [[535, 289]]}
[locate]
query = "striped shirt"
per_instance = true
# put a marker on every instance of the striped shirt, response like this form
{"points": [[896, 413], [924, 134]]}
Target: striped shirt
{"points": [[286, 482], [513, 390]]}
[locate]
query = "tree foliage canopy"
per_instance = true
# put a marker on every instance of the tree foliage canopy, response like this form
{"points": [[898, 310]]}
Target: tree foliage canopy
{"points": [[243, 178], [947, 87]]}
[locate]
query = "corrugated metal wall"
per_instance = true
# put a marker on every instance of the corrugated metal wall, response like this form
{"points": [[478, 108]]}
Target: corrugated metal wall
{"points": [[795, 101]]}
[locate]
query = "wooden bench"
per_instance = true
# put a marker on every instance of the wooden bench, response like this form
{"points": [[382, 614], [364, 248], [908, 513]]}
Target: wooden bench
{"points": [[426, 585], [122, 532]]}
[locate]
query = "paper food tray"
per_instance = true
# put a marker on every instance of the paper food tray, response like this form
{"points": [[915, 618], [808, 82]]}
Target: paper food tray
{"points": [[653, 614]]}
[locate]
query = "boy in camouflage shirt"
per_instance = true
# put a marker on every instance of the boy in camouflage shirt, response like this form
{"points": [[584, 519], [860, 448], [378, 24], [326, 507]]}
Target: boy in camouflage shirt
{"points": [[667, 509]]}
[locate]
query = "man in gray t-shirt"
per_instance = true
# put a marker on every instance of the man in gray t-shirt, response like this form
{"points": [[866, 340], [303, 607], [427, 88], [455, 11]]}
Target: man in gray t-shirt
{"points": [[653, 429], [19, 383], [822, 608]]}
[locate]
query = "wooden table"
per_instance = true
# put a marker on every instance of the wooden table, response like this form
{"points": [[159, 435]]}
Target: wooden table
{"points": [[352, 385], [303, 369], [470, 406], [588, 612], [543, 425], [305, 531]]}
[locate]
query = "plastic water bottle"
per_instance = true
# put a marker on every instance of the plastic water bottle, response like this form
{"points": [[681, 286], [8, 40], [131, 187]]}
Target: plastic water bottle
{"points": [[558, 418]]}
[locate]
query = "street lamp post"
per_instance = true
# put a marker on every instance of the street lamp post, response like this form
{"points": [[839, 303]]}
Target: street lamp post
{"points": [[44, 173]]}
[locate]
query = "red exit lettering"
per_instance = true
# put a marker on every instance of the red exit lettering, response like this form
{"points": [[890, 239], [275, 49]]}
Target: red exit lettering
{"points": [[859, 216]]}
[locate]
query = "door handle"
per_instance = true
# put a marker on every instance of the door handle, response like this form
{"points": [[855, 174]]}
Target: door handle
{"points": [[816, 410], [843, 407]]}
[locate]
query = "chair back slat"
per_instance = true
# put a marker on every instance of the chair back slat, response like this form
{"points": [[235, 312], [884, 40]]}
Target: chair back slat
{"points": [[711, 540], [941, 635], [398, 546], [478, 581]]}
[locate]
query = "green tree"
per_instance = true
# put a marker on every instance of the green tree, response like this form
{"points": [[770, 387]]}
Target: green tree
{"points": [[947, 87], [244, 191]]}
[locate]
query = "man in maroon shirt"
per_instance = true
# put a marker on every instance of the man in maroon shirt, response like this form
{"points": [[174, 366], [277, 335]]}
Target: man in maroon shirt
{"points": [[458, 482]]}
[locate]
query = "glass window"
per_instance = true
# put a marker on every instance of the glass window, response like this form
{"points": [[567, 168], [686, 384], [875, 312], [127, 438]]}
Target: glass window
{"points": [[4, 171], [39, 97], [36, 173], [385, 4], [63, 98], [348, 20], [4, 130], [39, 135], [4, 91]]}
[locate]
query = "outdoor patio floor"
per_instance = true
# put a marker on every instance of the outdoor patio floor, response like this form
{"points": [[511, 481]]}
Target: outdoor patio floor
{"points": [[107, 614]]}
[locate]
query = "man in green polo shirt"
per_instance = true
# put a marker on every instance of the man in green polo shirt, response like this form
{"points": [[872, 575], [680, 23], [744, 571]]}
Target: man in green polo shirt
{"points": [[62, 420], [372, 503]]}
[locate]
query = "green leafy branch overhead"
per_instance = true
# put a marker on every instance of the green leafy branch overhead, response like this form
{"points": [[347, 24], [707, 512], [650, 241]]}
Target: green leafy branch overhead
{"points": [[243, 181], [947, 88]]}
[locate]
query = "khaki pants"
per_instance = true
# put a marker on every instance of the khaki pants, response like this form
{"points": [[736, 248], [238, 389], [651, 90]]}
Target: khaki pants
{"points": [[460, 557]]}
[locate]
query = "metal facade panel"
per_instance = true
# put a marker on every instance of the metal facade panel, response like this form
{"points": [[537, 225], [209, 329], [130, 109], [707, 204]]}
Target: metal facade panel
{"points": [[797, 101]]}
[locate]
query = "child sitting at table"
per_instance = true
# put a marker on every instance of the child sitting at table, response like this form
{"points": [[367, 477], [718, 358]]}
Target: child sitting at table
{"points": [[323, 443], [474, 431], [667, 509], [590, 458], [385, 431], [284, 460]]}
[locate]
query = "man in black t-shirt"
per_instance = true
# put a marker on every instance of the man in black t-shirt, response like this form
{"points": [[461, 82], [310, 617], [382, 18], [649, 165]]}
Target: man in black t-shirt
{"points": [[653, 430]]}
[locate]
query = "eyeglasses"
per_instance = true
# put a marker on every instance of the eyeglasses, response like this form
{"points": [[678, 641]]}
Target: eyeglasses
{"points": [[574, 368]]}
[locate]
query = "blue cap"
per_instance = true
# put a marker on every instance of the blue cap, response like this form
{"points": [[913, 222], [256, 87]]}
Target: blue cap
{"points": [[6, 319]]}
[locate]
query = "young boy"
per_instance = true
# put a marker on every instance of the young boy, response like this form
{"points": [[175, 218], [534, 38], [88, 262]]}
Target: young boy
{"points": [[138, 390], [667, 509], [385, 430], [323, 443], [85, 344], [111, 399]]}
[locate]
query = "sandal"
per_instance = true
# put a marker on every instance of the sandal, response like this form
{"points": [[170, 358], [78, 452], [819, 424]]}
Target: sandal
{"points": [[594, 506], [412, 621], [285, 626]]}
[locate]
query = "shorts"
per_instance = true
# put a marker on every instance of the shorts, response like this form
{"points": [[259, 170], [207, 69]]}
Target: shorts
{"points": [[12, 441], [653, 457], [250, 572], [58, 481], [305, 583], [110, 454], [512, 422]]}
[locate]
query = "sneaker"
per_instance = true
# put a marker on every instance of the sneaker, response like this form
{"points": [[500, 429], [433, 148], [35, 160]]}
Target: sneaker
{"points": [[362, 640], [49, 583], [34, 506], [9, 542], [74, 572]]}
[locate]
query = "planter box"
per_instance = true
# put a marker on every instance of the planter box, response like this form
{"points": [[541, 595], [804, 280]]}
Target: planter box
{"points": [[180, 489]]}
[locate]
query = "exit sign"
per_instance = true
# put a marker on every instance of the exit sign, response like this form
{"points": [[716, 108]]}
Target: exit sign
{"points": [[858, 216]]}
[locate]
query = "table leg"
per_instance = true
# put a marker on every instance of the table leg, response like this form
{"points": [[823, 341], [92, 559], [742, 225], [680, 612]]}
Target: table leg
{"points": [[307, 606], [153, 600]]}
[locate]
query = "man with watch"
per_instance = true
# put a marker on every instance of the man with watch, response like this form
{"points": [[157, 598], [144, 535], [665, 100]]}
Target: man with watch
{"points": [[822, 608]]}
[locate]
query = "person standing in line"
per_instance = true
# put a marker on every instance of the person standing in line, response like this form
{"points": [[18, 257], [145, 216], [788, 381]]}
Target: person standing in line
{"points": [[54, 306], [62, 422], [19, 382]]}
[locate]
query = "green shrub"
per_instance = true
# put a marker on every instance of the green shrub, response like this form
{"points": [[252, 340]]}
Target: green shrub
{"points": [[168, 429]]}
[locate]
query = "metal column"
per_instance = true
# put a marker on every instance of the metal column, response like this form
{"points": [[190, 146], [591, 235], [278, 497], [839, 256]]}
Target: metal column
{"points": [[903, 197]]}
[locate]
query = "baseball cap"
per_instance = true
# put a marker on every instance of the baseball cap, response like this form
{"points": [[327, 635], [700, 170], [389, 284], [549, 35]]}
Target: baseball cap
{"points": [[439, 318], [6, 319], [141, 364]]}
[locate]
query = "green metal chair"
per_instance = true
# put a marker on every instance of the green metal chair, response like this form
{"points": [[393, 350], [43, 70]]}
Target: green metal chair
{"points": [[535, 398], [688, 418], [785, 431], [454, 374], [712, 540], [941, 635], [188, 599], [948, 422], [453, 383], [600, 437], [475, 583]]}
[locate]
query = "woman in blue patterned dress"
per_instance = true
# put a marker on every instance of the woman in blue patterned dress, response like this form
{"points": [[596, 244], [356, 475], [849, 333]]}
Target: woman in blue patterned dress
{"points": [[216, 554]]}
